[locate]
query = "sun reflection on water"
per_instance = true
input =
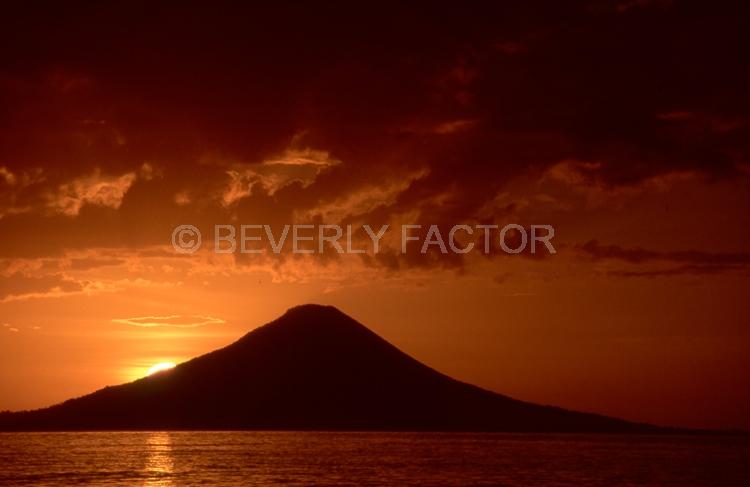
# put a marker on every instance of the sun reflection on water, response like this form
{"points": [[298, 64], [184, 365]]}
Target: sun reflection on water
{"points": [[159, 463]]}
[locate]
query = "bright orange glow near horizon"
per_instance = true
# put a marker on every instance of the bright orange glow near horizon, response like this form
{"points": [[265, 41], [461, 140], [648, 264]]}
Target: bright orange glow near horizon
{"points": [[160, 367], [632, 145]]}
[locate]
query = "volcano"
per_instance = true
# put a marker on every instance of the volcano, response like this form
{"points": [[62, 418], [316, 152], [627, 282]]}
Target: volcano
{"points": [[312, 368]]}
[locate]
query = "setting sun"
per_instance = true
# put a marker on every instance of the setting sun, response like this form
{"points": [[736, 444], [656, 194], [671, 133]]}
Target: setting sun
{"points": [[161, 366]]}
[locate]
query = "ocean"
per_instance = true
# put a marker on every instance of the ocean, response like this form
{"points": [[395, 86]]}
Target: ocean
{"points": [[167, 458]]}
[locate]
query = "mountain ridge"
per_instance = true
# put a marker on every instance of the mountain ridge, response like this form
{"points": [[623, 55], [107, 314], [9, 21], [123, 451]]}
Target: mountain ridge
{"points": [[312, 368]]}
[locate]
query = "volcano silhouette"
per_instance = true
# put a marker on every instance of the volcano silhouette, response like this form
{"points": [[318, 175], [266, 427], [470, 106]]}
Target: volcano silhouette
{"points": [[312, 368]]}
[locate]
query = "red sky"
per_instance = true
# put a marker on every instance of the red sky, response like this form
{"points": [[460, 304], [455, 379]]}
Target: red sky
{"points": [[625, 125]]}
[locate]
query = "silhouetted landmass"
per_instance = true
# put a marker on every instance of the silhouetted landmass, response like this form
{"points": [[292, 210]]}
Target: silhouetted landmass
{"points": [[313, 368]]}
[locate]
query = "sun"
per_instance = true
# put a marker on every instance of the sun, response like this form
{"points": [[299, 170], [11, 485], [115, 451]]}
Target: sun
{"points": [[161, 366]]}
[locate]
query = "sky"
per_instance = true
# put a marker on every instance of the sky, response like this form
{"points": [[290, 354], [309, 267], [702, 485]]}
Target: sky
{"points": [[624, 125]]}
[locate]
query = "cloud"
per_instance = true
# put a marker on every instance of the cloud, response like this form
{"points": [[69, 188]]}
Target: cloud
{"points": [[689, 261], [293, 166], [43, 283], [637, 255], [171, 321], [418, 124], [303, 157], [182, 198], [14, 198], [591, 178], [7, 176], [19, 286], [94, 189], [364, 201], [10, 328], [87, 263], [679, 270], [33, 190]]}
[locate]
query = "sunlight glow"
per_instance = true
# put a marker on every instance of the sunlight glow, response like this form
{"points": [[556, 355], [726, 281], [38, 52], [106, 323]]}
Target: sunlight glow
{"points": [[160, 367]]}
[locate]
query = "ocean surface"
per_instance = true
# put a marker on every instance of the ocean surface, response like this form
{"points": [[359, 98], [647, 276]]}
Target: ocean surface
{"points": [[393, 459]]}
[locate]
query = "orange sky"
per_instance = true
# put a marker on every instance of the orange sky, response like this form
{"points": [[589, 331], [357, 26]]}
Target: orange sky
{"points": [[611, 121]]}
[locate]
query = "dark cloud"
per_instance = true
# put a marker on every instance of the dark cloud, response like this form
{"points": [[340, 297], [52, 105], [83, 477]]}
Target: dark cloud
{"points": [[19, 286], [671, 263], [638, 255], [431, 108], [698, 270]]}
